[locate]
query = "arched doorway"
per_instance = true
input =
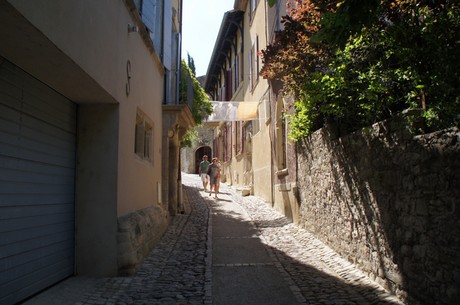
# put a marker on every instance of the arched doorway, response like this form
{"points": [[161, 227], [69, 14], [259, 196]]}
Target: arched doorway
{"points": [[199, 153]]}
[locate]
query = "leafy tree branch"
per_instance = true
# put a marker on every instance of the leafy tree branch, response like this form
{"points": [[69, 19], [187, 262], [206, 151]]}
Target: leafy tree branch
{"points": [[355, 62]]}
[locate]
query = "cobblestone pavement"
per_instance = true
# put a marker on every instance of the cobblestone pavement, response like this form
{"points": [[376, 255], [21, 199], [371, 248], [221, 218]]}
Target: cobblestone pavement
{"points": [[178, 270], [315, 272], [175, 272]]}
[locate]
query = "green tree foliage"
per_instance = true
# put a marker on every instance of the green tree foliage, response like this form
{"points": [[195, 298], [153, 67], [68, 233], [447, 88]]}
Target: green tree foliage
{"points": [[191, 64], [201, 107], [190, 137], [355, 62]]}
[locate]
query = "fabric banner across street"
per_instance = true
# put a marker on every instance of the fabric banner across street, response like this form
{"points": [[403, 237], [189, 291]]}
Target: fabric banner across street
{"points": [[233, 111]]}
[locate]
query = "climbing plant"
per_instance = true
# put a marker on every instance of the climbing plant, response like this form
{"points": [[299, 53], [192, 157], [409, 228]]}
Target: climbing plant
{"points": [[201, 107]]}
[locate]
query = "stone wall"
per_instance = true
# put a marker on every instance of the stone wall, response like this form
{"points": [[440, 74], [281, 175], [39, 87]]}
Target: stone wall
{"points": [[188, 154], [138, 233], [389, 202]]}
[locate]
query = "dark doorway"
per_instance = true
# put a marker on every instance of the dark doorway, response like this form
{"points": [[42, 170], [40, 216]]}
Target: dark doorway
{"points": [[199, 153]]}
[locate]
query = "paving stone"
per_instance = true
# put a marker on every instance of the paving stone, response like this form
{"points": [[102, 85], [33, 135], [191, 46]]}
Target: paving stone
{"points": [[178, 269]]}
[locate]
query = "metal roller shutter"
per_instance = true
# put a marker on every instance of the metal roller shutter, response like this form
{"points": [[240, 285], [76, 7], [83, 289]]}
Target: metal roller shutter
{"points": [[37, 179]]}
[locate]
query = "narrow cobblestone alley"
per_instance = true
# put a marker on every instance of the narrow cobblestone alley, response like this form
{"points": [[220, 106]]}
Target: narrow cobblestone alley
{"points": [[182, 269]]}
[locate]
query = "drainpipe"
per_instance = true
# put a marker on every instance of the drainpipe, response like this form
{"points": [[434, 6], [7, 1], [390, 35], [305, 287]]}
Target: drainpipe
{"points": [[179, 63]]}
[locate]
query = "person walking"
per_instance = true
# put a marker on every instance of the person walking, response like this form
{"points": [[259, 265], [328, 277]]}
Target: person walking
{"points": [[203, 170], [214, 174]]}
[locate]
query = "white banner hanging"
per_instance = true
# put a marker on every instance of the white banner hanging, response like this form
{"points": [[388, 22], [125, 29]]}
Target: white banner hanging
{"points": [[233, 111]]}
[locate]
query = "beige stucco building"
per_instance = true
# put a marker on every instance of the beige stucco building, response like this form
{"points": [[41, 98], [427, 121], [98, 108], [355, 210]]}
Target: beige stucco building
{"points": [[89, 137], [256, 154]]}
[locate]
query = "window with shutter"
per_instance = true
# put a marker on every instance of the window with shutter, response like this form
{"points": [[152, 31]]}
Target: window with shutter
{"points": [[254, 63], [242, 136], [228, 85], [151, 12], [241, 69], [236, 72], [256, 58], [252, 8], [228, 138], [251, 83], [143, 138], [238, 138]]}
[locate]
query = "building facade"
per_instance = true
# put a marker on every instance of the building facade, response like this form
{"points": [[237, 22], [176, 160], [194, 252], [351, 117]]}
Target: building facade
{"points": [[256, 154], [84, 87]]}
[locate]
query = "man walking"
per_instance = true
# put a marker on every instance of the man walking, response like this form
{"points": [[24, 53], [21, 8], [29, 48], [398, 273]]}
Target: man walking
{"points": [[203, 170]]}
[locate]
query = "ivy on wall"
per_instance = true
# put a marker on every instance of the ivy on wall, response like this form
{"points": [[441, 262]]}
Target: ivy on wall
{"points": [[201, 107]]}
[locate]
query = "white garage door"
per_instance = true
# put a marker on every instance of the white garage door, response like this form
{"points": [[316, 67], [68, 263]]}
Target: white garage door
{"points": [[37, 169]]}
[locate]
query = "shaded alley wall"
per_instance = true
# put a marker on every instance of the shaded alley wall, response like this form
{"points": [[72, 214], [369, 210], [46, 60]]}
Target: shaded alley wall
{"points": [[388, 201]]}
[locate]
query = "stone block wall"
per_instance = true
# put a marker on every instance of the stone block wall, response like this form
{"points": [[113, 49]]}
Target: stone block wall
{"points": [[138, 233], [188, 154], [389, 202]]}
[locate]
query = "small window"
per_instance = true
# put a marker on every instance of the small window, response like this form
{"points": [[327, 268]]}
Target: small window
{"points": [[143, 143], [254, 67]]}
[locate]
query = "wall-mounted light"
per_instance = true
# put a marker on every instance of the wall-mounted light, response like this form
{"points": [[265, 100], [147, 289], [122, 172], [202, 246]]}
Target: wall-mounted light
{"points": [[132, 28]]}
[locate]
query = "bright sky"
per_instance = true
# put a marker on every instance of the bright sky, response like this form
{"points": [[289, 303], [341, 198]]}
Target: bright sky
{"points": [[201, 21]]}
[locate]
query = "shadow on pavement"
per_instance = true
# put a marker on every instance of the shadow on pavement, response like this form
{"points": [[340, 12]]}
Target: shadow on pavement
{"points": [[306, 282]]}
